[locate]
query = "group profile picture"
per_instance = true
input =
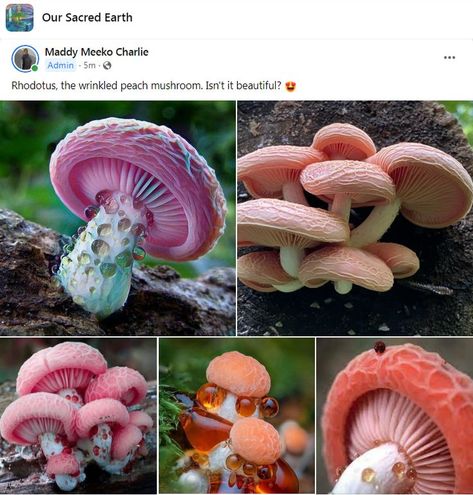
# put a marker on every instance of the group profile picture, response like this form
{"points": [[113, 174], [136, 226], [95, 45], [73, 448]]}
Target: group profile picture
{"points": [[19, 17], [25, 58]]}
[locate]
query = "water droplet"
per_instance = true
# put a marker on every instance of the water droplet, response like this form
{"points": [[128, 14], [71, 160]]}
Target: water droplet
{"points": [[411, 474], [138, 229], [111, 206], [73, 282], [104, 230], [66, 261], [100, 248], [78, 300], [121, 213], [80, 230], [367, 475], [399, 468], [125, 241], [233, 462], [96, 261], [379, 347], [56, 282], [92, 290], [124, 259], [108, 269], [54, 269], [89, 270], [125, 200], [83, 258], [249, 469], [83, 236], [103, 196], [91, 212], [124, 225], [138, 253]]}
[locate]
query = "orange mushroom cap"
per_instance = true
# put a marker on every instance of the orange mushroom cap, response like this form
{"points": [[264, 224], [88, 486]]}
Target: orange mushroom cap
{"points": [[240, 374], [256, 441], [436, 191], [344, 141], [265, 171], [345, 263], [402, 261], [295, 438], [273, 222]]}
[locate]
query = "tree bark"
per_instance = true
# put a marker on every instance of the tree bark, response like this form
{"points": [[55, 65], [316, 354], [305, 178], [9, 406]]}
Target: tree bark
{"points": [[438, 300], [160, 302], [26, 474]]}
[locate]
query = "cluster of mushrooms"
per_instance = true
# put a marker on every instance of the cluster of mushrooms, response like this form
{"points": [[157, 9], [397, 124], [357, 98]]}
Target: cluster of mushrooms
{"points": [[142, 189], [78, 411], [399, 419], [233, 448], [342, 168]]}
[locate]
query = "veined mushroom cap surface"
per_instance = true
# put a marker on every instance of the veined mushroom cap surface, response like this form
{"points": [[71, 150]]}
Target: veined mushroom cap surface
{"points": [[99, 411], [402, 261], [124, 439]]}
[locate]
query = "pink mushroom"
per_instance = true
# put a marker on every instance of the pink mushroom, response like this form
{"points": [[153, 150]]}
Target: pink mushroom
{"points": [[120, 383], [65, 469], [135, 182], [65, 369], [125, 444], [142, 420]]}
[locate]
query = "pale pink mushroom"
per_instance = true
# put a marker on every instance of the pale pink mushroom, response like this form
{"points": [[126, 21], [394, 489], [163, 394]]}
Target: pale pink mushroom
{"points": [[65, 369], [262, 271], [399, 420], [65, 469], [273, 172], [344, 142], [40, 418], [126, 441], [345, 264], [432, 190], [142, 420], [120, 383], [402, 261], [290, 226]]}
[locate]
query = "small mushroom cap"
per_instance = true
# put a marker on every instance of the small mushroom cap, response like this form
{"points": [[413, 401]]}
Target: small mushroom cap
{"points": [[274, 222], [265, 171], [345, 263], [120, 383], [402, 261], [294, 437], [124, 440], [344, 141], [62, 464], [435, 190], [99, 411], [66, 365], [442, 392], [242, 375], [142, 420], [364, 183], [262, 269], [32, 415], [256, 441], [157, 168]]}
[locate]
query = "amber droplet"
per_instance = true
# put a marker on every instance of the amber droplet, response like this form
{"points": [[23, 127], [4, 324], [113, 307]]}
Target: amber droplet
{"points": [[232, 480], [249, 469], [104, 230], [200, 458], [91, 212], [265, 472], [411, 474], [138, 229], [368, 475], [380, 347], [210, 396], [284, 480], [269, 407], [399, 469], [100, 248], [245, 406], [233, 462], [110, 205]]}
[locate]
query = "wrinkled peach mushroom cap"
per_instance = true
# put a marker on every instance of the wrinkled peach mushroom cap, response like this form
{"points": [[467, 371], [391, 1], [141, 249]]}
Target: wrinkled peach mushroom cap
{"points": [[435, 190], [120, 383], [256, 441], [124, 440], [100, 411], [34, 414], [66, 365], [295, 438], [273, 222], [265, 171], [62, 464], [340, 263], [262, 270], [365, 184], [402, 261], [344, 141], [442, 392], [242, 375], [186, 206]]}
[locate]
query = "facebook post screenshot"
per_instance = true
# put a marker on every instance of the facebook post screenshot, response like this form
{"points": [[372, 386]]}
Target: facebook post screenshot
{"points": [[236, 247]]}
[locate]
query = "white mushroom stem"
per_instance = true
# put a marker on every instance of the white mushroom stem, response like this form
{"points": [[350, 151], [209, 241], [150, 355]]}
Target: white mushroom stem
{"points": [[72, 396], [99, 446], [50, 444], [291, 259], [291, 286], [227, 409], [293, 192], [375, 225], [383, 469]]}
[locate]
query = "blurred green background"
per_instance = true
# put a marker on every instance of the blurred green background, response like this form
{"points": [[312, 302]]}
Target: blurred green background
{"points": [[182, 367], [463, 111], [30, 131]]}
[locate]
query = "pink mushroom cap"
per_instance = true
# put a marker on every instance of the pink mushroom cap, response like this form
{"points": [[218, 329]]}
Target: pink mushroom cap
{"points": [[401, 260], [120, 383], [62, 464], [109, 411], [66, 365], [142, 420], [32, 415], [156, 168], [124, 439]]}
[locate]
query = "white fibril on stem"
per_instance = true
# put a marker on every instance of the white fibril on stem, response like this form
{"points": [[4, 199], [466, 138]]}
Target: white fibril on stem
{"points": [[383, 469]]}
